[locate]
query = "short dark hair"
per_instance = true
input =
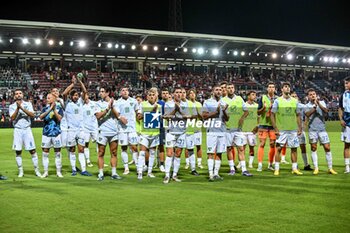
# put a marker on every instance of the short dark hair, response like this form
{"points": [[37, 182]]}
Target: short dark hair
{"points": [[17, 89], [177, 88], [285, 84], [250, 92], [347, 79], [310, 90], [107, 89], [270, 83], [223, 83], [72, 93], [193, 90], [165, 89]]}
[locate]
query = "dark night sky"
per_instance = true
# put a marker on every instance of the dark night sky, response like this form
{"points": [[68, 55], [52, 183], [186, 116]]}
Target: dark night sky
{"points": [[316, 21]]}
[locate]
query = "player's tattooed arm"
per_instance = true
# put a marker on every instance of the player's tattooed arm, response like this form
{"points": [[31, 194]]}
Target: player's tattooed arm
{"points": [[26, 111]]}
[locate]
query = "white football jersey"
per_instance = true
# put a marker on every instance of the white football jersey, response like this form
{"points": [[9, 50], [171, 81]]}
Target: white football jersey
{"points": [[22, 120]]}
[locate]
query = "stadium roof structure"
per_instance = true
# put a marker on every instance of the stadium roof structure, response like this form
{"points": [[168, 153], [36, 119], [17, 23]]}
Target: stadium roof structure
{"points": [[21, 38]]}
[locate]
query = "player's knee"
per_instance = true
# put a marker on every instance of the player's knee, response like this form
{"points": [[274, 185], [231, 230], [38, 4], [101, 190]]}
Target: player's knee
{"points": [[327, 148], [32, 151], [313, 148]]}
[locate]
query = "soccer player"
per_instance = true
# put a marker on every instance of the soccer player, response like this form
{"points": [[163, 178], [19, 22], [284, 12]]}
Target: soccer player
{"points": [[214, 109], [74, 117], [344, 116], [250, 126], [161, 149], [265, 128], [285, 119], [315, 111], [89, 126], [237, 112], [302, 136], [20, 112], [149, 138], [176, 138], [107, 132], [127, 108], [51, 115], [198, 131]]}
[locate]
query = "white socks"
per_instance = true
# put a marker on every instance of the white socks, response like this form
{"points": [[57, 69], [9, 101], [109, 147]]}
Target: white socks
{"points": [[141, 161], [58, 161], [199, 161], [82, 162], [329, 160], [152, 157], [314, 159], [114, 171], [35, 160], [243, 166], [168, 162], [251, 160], [124, 155], [46, 161], [19, 161], [176, 166], [277, 166], [231, 165], [72, 159], [188, 160], [294, 166], [192, 159], [217, 166], [87, 154], [211, 166], [134, 156]]}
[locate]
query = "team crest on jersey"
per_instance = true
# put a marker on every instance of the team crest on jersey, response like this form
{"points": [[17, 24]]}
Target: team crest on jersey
{"points": [[151, 120]]}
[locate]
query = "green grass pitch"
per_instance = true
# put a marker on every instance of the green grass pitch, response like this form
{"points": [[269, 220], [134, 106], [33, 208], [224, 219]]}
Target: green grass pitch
{"points": [[262, 203]]}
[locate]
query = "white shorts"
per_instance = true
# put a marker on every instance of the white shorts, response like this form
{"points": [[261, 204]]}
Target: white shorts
{"points": [[235, 139], [185, 141], [322, 137], [102, 139], [64, 135], [345, 135], [198, 138], [302, 138], [149, 141], [288, 138], [130, 138], [87, 136], [48, 142], [73, 137], [216, 143], [249, 138], [23, 136]]}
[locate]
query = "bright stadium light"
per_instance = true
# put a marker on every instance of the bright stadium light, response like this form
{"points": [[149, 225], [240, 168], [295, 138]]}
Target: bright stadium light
{"points": [[194, 50], [250, 54], [116, 46], [200, 51], [11, 40], [166, 49], [123, 46], [235, 53], [349, 60], [99, 45], [331, 59], [344, 60], [258, 54], [274, 55], [242, 53], [175, 49], [289, 56], [265, 54], [51, 42], [71, 43], [336, 59], [215, 52], [145, 47], [82, 43], [60, 43], [109, 45], [326, 59], [25, 41], [133, 47], [185, 50], [37, 41], [155, 48], [311, 58]]}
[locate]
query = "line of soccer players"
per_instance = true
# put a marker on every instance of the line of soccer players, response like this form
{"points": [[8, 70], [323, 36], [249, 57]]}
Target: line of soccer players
{"points": [[75, 120]]}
